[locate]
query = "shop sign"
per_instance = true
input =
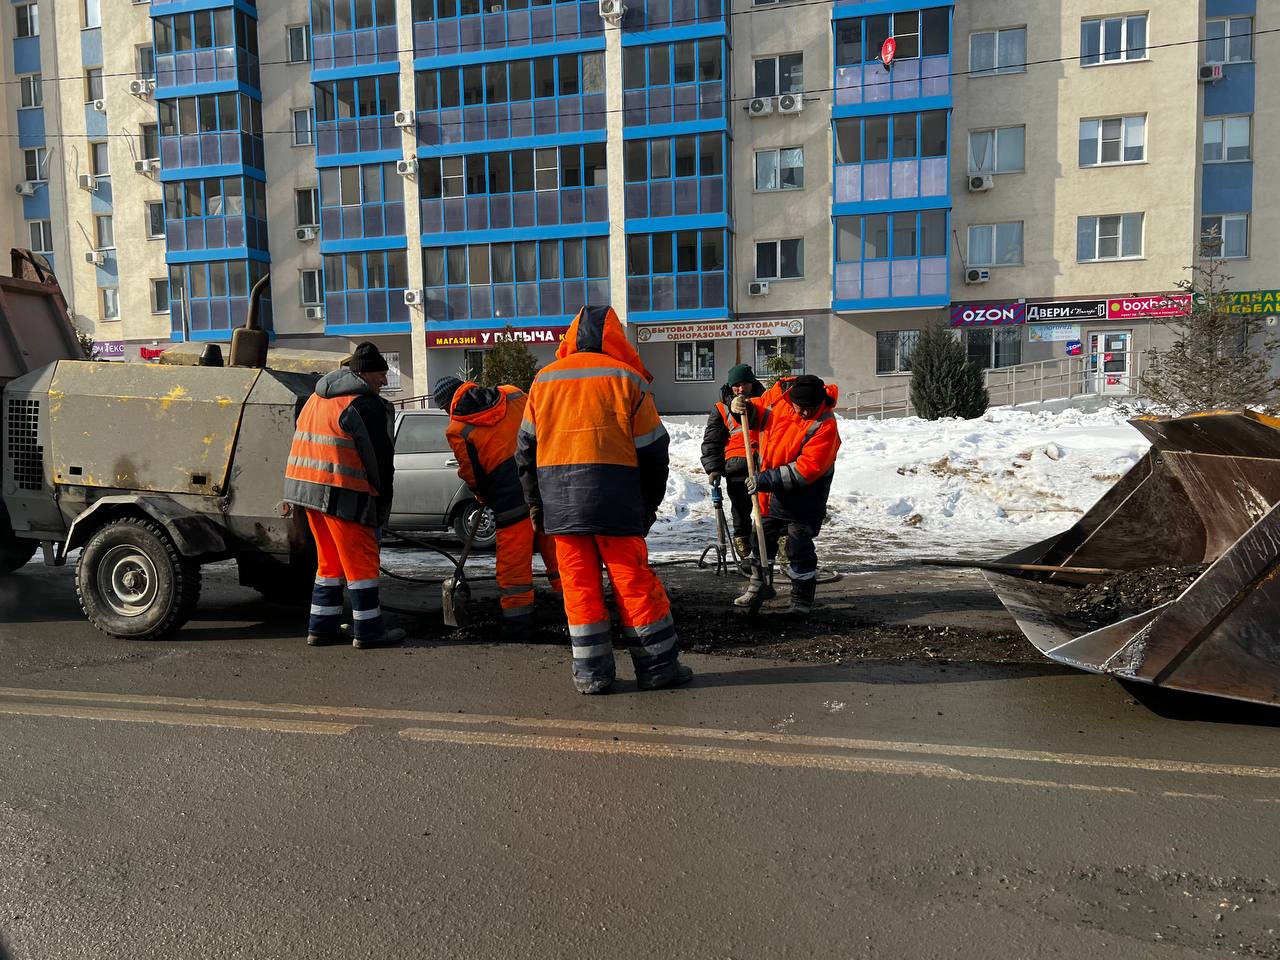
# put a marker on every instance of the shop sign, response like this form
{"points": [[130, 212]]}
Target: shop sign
{"points": [[1059, 310], [108, 349], [1052, 332], [1253, 301], [1075, 348], [717, 330], [988, 314], [151, 353], [1157, 307], [446, 339]]}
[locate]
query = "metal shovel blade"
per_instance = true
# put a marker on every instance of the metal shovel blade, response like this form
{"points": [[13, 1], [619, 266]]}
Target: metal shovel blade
{"points": [[455, 602]]}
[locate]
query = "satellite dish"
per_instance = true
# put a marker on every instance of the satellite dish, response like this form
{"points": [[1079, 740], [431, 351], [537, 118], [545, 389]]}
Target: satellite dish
{"points": [[888, 50]]}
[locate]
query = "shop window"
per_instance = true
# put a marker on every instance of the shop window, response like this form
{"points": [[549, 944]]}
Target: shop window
{"points": [[990, 348], [789, 349], [893, 350], [696, 361]]}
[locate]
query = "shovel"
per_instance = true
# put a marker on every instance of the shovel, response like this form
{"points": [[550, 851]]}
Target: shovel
{"points": [[455, 593], [757, 522]]}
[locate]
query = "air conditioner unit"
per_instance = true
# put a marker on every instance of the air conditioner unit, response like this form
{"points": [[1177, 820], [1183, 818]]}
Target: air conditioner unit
{"points": [[974, 275], [981, 183], [89, 182], [314, 313], [96, 257], [25, 189], [791, 103], [100, 106], [760, 106], [146, 166], [307, 234], [758, 288], [612, 10], [142, 88], [413, 298], [407, 168], [1210, 72], [405, 119]]}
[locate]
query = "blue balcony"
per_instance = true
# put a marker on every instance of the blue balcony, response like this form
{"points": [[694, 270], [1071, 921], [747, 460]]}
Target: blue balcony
{"points": [[364, 292], [893, 260], [470, 26], [216, 295], [675, 83], [677, 275], [673, 15], [882, 159], [920, 77]]}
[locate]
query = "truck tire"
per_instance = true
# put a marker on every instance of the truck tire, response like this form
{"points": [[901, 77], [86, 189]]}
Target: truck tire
{"points": [[14, 553], [486, 535], [133, 583]]}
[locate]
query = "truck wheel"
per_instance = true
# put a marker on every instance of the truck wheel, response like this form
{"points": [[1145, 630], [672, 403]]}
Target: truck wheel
{"points": [[14, 553], [133, 583], [486, 534]]}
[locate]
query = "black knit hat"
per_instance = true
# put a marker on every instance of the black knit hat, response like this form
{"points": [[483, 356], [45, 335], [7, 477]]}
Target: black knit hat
{"points": [[740, 373], [444, 390], [366, 358], [807, 391]]}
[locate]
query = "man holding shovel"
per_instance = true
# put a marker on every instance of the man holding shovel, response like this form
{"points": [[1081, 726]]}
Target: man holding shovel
{"points": [[724, 452], [799, 441], [483, 426]]}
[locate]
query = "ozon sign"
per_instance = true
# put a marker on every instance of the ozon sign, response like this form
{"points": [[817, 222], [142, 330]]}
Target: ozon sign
{"points": [[988, 314]]}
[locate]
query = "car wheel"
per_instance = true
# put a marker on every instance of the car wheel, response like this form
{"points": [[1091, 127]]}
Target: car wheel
{"points": [[486, 533], [133, 583]]}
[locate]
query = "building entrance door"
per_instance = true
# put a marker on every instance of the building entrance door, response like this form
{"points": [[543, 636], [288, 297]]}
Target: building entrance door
{"points": [[1111, 361]]}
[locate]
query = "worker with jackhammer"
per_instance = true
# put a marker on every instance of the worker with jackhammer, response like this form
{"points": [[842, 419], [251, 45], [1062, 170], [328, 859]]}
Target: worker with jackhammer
{"points": [[799, 440], [593, 460], [724, 451], [340, 471], [483, 426]]}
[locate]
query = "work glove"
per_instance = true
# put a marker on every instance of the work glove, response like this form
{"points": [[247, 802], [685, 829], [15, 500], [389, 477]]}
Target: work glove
{"points": [[650, 518], [714, 478], [535, 514], [739, 405], [753, 486]]}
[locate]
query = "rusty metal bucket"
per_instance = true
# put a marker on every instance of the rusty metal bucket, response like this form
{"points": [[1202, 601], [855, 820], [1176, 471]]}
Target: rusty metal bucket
{"points": [[1206, 493]]}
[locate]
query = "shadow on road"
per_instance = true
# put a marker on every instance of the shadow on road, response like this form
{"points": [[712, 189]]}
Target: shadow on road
{"points": [[1198, 708], [4, 953], [875, 672]]}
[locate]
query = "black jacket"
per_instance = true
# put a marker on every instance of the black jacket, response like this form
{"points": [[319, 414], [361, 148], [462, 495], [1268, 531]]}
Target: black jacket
{"points": [[716, 436]]}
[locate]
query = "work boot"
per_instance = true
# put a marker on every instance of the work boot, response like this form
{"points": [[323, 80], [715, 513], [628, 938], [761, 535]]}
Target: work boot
{"points": [[802, 593], [328, 639], [674, 677], [391, 638], [742, 546], [592, 687], [756, 586]]}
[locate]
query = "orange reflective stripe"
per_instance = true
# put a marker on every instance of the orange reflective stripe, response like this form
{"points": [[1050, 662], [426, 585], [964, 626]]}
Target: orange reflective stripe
{"points": [[322, 452]]}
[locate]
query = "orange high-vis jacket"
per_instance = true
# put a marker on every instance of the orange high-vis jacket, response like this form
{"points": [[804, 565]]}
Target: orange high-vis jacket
{"points": [[484, 425], [797, 456], [323, 452], [592, 450]]}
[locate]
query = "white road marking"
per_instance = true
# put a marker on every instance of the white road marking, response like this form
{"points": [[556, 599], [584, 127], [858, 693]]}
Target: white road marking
{"points": [[175, 719]]}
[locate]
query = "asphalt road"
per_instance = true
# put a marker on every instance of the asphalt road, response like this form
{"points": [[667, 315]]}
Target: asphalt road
{"points": [[233, 793]]}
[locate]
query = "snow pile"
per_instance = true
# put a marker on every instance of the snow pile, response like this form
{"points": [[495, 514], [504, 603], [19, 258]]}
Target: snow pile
{"points": [[911, 487]]}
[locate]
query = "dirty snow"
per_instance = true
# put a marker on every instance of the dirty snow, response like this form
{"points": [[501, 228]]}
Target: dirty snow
{"points": [[910, 487]]}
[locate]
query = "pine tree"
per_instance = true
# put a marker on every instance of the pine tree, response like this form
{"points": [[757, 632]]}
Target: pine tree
{"points": [[778, 366], [509, 362], [1218, 360], [943, 381]]}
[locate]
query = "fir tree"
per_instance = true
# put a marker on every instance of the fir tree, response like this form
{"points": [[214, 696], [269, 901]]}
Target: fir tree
{"points": [[943, 381], [1218, 360], [778, 366], [509, 362]]}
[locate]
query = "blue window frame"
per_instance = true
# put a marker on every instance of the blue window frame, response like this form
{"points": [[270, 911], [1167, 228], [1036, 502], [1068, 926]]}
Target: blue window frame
{"points": [[361, 202], [207, 46], [347, 33], [512, 99], [673, 82], [891, 157], [357, 115], [922, 65], [215, 294], [531, 278], [215, 213], [675, 176], [683, 270], [549, 186], [366, 288], [660, 14], [211, 130], [444, 27], [891, 256]]}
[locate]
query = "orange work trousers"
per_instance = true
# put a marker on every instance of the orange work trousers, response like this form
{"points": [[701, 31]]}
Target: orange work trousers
{"points": [[345, 550], [643, 606], [516, 543]]}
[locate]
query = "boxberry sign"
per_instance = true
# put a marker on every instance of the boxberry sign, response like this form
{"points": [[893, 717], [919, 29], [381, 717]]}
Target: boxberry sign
{"points": [[988, 314], [1158, 306]]}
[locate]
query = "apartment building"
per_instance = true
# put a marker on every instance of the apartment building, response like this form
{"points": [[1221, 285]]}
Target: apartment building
{"points": [[741, 180]]}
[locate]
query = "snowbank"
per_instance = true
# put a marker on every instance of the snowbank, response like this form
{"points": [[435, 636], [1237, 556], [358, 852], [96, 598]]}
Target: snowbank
{"points": [[911, 487]]}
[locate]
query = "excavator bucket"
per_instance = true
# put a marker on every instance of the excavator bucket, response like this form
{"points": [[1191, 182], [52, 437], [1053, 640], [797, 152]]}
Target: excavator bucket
{"points": [[1205, 494]]}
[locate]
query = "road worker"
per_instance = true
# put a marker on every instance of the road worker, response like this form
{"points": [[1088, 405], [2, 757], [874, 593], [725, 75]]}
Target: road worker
{"points": [[340, 471], [799, 441], [483, 425], [724, 451], [593, 460]]}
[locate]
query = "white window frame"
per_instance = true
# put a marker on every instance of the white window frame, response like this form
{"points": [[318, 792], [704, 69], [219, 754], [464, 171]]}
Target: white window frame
{"points": [[105, 169], [1120, 235], [314, 198], [996, 68], [31, 88], [777, 74], [289, 32], [313, 272], [92, 76], [104, 227], [39, 157], [776, 153], [30, 13], [994, 228], [762, 358], [546, 169], [996, 133], [394, 379], [155, 303], [1224, 125], [147, 208], [1226, 38], [899, 368], [45, 230], [138, 54], [777, 247], [696, 348], [109, 303], [90, 14], [1125, 51], [307, 137], [1222, 219], [1125, 129]]}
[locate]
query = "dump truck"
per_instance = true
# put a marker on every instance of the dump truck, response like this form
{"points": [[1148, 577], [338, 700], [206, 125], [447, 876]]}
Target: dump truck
{"points": [[150, 470], [1206, 495]]}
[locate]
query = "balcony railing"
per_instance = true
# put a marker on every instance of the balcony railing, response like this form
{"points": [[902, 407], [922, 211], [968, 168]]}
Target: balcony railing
{"points": [[910, 79]]}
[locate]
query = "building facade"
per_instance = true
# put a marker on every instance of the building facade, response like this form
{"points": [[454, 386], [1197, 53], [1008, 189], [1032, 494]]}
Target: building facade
{"points": [[743, 181]]}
